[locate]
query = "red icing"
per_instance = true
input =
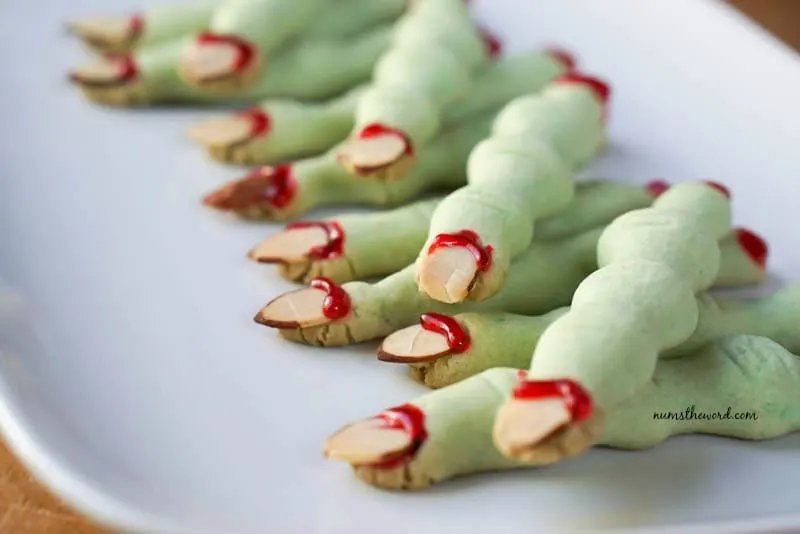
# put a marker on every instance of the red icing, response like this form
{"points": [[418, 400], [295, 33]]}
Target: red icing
{"points": [[600, 88], [457, 339], [411, 420], [493, 45], [260, 123], [335, 234], [470, 241], [273, 185], [562, 56], [657, 187], [576, 399], [721, 188], [337, 301], [245, 52], [754, 245], [281, 188], [126, 68], [377, 129], [136, 25]]}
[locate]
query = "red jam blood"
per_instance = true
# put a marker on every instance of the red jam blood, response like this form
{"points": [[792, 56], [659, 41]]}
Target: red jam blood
{"points": [[245, 52], [376, 130], [656, 188], [493, 45], [562, 56], [281, 185], [136, 26], [274, 185], [457, 339], [577, 400], [337, 302], [600, 88], [259, 121], [411, 420], [126, 68], [470, 241], [334, 247], [721, 188], [754, 246]]}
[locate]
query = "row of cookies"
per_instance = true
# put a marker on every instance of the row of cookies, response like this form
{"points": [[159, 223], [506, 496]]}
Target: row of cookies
{"points": [[646, 301], [604, 283], [609, 361]]}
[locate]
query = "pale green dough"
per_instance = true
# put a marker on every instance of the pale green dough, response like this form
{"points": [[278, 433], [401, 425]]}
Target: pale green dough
{"points": [[679, 239], [504, 79], [596, 203], [158, 81], [700, 207], [496, 340], [345, 19], [403, 230], [568, 117], [736, 267], [165, 22], [554, 268], [300, 128], [435, 52], [542, 279], [322, 181], [367, 238], [267, 24], [506, 340], [311, 70], [642, 299], [748, 374], [775, 316], [321, 69], [521, 174]]}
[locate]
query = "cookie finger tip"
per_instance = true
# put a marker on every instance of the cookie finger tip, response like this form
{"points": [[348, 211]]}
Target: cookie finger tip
{"points": [[414, 344], [754, 245]]}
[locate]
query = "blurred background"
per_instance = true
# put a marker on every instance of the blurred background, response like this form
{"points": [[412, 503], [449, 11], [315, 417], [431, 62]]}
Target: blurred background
{"points": [[781, 17], [27, 508]]}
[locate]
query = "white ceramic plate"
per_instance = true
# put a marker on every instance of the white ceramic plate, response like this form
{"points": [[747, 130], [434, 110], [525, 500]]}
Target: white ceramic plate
{"points": [[136, 385]]}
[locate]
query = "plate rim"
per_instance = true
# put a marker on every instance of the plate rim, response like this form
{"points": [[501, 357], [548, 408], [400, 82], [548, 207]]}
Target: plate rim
{"points": [[98, 505]]}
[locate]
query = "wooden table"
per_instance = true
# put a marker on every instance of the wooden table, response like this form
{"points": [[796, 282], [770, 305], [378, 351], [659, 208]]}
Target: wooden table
{"points": [[27, 508]]}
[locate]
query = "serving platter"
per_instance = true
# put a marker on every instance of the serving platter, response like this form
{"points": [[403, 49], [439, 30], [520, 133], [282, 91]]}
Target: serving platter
{"points": [[134, 383]]}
